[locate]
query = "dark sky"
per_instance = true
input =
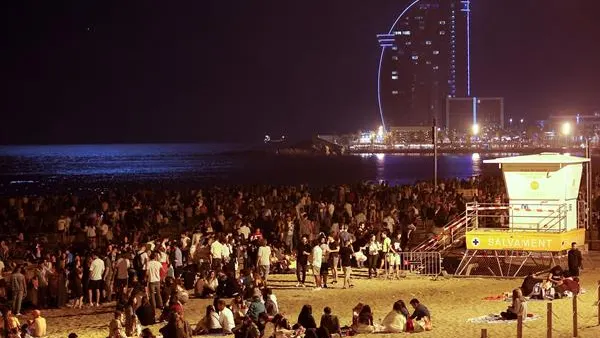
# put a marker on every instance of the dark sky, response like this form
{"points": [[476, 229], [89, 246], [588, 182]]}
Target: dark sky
{"points": [[215, 70]]}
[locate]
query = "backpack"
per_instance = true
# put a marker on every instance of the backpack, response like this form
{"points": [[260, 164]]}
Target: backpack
{"points": [[138, 265]]}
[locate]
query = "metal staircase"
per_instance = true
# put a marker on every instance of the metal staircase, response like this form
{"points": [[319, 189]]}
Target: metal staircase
{"points": [[451, 236]]}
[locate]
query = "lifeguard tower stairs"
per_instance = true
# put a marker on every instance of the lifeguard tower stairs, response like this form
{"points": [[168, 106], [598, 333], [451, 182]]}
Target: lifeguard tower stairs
{"points": [[535, 229]]}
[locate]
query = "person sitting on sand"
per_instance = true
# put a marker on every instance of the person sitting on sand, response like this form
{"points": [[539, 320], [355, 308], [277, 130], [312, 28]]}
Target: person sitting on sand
{"points": [[306, 319], [517, 308], [239, 308], [177, 327], [355, 312], [247, 329], [330, 322], [278, 327], [145, 312], [556, 274], [209, 323], [421, 315], [116, 328], [529, 283], [364, 323], [210, 285], [256, 306], [37, 326], [398, 319]]}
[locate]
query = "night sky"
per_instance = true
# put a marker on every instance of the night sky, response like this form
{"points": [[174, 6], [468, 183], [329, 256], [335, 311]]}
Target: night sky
{"points": [[214, 70]]}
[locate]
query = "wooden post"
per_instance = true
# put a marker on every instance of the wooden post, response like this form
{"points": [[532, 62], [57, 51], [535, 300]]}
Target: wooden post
{"points": [[520, 326], [484, 333], [549, 320], [598, 302], [574, 315]]}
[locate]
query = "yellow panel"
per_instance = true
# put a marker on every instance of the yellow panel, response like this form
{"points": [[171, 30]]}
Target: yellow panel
{"points": [[526, 241]]}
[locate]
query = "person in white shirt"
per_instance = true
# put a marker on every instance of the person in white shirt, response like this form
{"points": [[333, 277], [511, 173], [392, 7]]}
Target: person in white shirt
{"points": [[153, 278], [96, 274], [225, 317], [263, 262], [244, 230], [317, 260], [216, 254]]}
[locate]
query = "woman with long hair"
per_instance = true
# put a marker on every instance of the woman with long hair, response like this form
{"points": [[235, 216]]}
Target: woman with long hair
{"points": [[398, 320], [518, 306]]}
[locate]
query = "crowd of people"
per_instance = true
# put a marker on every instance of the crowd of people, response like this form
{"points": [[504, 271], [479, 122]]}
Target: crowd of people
{"points": [[150, 251]]}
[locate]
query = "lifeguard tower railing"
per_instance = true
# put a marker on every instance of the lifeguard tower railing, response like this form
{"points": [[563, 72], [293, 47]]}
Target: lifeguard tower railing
{"points": [[545, 217]]}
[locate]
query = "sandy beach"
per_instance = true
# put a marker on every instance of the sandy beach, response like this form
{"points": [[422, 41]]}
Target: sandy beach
{"points": [[452, 301]]}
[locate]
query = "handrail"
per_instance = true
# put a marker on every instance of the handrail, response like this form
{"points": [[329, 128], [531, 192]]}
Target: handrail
{"points": [[453, 227], [552, 219]]}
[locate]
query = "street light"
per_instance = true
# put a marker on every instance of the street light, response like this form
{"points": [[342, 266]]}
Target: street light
{"points": [[475, 129]]}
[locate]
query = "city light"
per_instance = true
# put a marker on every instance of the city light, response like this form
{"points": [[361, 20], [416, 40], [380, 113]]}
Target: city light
{"points": [[475, 129], [380, 132], [565, 129]]}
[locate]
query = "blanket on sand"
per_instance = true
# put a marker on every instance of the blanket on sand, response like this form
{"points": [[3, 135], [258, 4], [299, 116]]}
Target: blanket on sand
{"points": [[496, 319]]}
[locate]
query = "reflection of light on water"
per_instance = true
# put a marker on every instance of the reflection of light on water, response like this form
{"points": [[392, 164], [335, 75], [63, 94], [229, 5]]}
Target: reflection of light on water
{"points": [[380, 157], [476, 163]]}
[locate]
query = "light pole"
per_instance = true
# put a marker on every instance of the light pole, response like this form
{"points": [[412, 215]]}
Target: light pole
{"points": [[435, 164]]}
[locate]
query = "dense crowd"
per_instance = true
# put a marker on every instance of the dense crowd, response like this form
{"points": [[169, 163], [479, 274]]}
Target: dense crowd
{"points": [[150, 251]]}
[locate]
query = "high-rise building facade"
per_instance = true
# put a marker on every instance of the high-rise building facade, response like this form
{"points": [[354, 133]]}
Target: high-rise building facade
{"points": [[425, 58]]}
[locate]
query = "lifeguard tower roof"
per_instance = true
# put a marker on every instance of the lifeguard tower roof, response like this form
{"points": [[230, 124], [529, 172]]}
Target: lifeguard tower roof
{"points": [[543, 158]]}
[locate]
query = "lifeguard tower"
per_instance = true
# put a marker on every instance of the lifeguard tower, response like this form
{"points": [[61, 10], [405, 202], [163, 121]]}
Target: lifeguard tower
{"points": [[535, 229]]}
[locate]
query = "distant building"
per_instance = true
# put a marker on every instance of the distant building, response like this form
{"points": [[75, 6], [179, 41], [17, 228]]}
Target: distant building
{"points": [[425, 58], [463, 112], [410, 135]]}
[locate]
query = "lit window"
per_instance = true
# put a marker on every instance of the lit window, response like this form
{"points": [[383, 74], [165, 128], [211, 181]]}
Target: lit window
{"points": [[415, 57], [428, 42], [394, 48], [408, 43], [405, 32], [442, 22], [395, 92], [442, 32], [394, 72], [436, 52], [397, 33], [394, 77], [428, 62], [436, 67], [395, 58]]}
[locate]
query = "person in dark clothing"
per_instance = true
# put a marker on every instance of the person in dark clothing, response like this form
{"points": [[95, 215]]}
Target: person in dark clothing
{"points": [[421, 310], [306, 319], [556, 274], [575, 260], [529, 283], [304, 251], [330, 322], [145, 312]]}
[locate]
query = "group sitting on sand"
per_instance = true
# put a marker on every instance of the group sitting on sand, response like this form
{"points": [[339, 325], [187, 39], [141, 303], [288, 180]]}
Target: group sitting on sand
{"points": [[556, 285]]}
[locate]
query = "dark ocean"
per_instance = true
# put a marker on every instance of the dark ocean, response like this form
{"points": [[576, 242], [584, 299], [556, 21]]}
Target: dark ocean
{"points": [[35, 169]]}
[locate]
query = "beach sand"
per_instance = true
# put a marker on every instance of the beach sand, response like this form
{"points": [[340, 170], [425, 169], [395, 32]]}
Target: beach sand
{"points": [[451, 301]]}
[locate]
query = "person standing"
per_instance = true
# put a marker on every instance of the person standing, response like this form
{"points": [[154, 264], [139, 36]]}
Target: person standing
{"points": [[373, 255], [346, 253], [263, 263], [575, 260], [216, 254], [302, 261], [153, 278], [17, 283], [96, 274], [121, 280], [317, 261]]}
